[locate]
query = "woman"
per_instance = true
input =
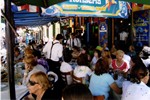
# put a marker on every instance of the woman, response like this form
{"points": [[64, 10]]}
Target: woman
{"points": [[132, 51], [97, 55], [31, 67], [136, 88], [101, 81], [134, 60], [77, 92], [82, 70], [65, 66], [119, 64], [106, 55], [39, 87], [18, 56]]}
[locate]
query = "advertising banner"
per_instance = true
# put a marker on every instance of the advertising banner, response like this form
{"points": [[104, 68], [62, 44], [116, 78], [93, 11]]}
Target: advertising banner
{"points": [[89, 8], [142, 27]]}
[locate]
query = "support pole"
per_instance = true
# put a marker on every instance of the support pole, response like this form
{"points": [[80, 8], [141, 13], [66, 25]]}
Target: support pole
{"points": [[113, 31], [10, 52]]}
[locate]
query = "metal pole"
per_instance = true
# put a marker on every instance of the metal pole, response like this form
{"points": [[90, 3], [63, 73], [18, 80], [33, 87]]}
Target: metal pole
{"points": [[112, 32], [10, 54]]}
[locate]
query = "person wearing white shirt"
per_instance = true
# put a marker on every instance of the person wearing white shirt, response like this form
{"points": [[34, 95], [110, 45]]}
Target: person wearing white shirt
{"points": [[123, 39], [53, 53], [127, 59], [82, 70], [73, 41], [136, 88]]}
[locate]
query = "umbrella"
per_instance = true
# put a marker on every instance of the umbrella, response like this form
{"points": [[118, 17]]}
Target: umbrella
{"points": [[40, 3]]}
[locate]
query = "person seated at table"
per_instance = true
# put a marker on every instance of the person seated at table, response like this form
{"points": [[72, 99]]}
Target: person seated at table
{"points": [[18, 56], [28, 51], [38, 57], [107, 56], [76, 92], [113, 51], [136, 88], [41, 60], [31, 67], [65, 66], [40, 87], [101, 81], [119, 64], [132, 51], [85, 51], [82, 70], [97, 55], [134, 60]]}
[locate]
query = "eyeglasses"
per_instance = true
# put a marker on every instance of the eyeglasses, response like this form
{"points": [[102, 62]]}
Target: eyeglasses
{"points": [[32, 83]]}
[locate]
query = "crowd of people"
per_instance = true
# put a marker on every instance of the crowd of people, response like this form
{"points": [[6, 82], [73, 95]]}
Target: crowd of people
{"points": [[102, 71]]}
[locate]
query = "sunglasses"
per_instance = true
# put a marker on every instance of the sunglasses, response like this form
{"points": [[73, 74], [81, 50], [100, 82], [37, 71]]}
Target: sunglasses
{"points": [[32, 83]]}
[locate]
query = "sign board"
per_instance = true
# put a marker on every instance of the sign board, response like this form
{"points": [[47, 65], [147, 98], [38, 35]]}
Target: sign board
{"points": [[142, 27], [103, 35]]}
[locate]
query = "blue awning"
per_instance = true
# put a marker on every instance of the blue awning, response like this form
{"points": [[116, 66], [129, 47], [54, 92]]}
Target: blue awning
{"points": [[24, 18]]}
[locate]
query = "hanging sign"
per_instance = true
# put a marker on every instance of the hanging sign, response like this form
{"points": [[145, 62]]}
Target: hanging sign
{"points": [[89, 8], [103, 38], [141, 25]]}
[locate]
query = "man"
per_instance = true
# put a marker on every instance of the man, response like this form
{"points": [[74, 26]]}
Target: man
{"points": [[73, 41], [53, 53], [123, 40]]}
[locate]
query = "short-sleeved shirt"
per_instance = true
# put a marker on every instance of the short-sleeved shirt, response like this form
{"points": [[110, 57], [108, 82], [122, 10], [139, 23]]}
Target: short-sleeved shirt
{"points": [[134, 91], [123, 36], [100, 84], [122, 67], [82, 71]]}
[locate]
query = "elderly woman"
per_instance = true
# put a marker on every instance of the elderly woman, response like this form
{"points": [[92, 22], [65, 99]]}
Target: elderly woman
{"points": [[101, 82], [119, 64], [136, 88], [31, 67], [39, 87]]}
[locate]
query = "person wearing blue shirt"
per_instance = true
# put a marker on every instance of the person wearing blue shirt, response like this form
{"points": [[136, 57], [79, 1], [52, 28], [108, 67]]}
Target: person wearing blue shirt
{"points": [[101, 81]]}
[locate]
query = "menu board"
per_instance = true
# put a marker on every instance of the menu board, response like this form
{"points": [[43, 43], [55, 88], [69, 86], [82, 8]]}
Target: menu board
{"points": [[142, 27]]}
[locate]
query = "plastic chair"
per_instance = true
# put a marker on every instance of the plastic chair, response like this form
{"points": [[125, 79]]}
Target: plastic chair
{"points": [[102, 97]]}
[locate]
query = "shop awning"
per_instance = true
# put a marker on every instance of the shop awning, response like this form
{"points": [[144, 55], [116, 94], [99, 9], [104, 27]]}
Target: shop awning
{"points": [[86, 8], [138, 1]]}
